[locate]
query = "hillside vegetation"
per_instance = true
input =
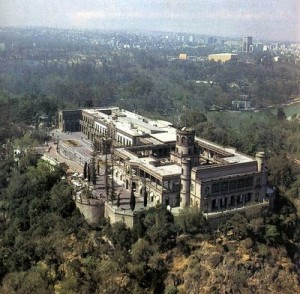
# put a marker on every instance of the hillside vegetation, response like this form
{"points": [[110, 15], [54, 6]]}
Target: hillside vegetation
{"points": [[47, 247]]}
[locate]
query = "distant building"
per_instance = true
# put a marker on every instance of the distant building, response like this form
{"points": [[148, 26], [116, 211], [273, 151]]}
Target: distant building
{"points": [[247, 46], [259, 47], [211, 40], [191, 38], [182, 56], [240, 104], [222, 57]]}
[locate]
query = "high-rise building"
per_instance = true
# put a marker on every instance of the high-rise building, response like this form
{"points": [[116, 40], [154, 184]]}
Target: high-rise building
{"points": [[247, 44]]}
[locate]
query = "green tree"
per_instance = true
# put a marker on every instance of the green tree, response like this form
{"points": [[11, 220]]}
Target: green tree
{"points": [[120, 235], [160, 227], [145, 197], [85, 170], [118, 200], [281, 114], [272, 234], [132, 200], [190, 220]]}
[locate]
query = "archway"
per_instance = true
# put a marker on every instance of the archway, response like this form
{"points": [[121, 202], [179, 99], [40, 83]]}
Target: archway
{"points": [[133, 186]]}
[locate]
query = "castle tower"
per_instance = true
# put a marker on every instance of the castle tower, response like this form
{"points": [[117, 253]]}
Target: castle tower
{"points": [[186, 156]]}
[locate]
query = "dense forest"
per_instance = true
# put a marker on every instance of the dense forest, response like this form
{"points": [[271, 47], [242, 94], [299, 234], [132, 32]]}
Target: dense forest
{"points": [[45, 244], [75, 73]]}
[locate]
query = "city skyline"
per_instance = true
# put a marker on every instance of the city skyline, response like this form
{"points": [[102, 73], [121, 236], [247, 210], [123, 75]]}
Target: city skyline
{"points": [[270, 20]]}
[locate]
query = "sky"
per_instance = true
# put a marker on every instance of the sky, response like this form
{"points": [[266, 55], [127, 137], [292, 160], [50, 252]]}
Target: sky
{"points": [[262, 19]]}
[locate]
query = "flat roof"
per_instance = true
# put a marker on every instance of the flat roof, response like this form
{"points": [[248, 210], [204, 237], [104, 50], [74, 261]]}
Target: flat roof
{"points": [[129, 122], [168, 136], [230, 154], [159, 131], [162, 171]]}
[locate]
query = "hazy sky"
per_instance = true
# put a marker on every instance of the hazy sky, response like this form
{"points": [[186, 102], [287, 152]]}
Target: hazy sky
{"points": [[266, 19]]}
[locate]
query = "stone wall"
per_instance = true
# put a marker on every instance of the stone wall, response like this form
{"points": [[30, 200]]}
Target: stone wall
{"points": [[251, 212], [92, 211], [118, 215]]}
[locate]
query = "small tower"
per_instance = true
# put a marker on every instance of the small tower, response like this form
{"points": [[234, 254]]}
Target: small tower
{"points": [[260, 158], [261, 182]]}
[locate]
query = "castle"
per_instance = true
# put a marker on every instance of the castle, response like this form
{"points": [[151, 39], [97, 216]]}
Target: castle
{"points": [[170, 166]]}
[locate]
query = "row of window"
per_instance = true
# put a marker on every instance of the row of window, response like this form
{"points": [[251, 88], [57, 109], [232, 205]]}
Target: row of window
{"points": [[124, 141], [231, 185], [100, 129], [87, 119]]}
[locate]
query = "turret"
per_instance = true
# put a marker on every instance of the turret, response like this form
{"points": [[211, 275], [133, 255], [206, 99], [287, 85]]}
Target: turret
{"points": [[260, 158], [261, 167], [185, 142]]}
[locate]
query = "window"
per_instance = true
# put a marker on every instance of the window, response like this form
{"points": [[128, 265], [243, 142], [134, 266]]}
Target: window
{"points": [[206, 191], [240, 199], [192, 187], [248, 182], [166, 184], [258, 182], [176, 186], [224, 186], [232, 185], [248, 198], [232, 201], [215, 188], [241, 183], [214, 204]]}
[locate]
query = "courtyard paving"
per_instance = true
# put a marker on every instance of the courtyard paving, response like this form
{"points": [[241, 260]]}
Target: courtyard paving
{"points": [[74, 149]]}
